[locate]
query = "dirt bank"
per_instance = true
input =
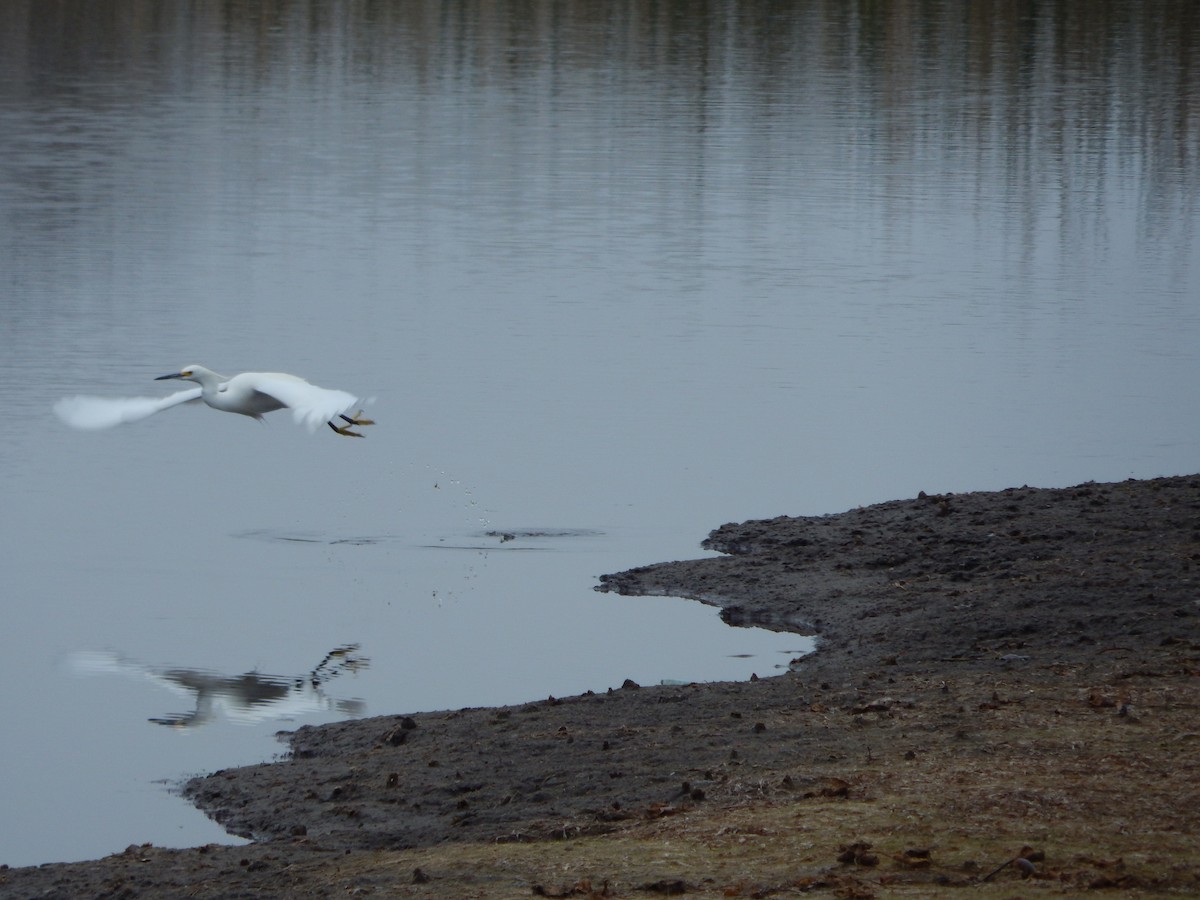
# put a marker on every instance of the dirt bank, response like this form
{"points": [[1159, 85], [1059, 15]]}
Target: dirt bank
{"points": [[995, 671]]}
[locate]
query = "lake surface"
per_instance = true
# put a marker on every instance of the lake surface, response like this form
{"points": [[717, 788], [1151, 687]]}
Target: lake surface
{"points": [[614, 274]]}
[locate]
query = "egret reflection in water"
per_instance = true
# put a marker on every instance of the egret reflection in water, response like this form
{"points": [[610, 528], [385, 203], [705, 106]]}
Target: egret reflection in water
{"points": [[245, 699]]}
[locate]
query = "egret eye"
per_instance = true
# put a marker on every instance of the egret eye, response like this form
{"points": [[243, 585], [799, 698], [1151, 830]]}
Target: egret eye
{"points": [[186, 373]]}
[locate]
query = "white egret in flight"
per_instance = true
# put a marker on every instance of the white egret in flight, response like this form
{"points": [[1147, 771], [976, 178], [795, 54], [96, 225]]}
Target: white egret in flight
{"points": [[250, 394]]}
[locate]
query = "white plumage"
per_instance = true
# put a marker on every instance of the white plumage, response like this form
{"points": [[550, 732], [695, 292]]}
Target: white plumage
{"points": [[249, 394]]}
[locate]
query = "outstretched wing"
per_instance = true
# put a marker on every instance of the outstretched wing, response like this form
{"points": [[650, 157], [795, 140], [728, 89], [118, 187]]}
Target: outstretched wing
{"points": [[91, 413], [311, 406]]}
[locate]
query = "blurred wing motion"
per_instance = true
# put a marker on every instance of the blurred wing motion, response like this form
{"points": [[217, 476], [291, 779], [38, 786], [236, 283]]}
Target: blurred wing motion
{"points": [[311, 406], [91, 413]]}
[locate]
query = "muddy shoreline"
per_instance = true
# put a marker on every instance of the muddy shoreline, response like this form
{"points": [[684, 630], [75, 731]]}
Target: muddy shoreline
{"points": [[993, 670]]}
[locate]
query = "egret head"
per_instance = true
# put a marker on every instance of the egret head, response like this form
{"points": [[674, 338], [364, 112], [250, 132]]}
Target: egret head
{"points": [[187, 373]]}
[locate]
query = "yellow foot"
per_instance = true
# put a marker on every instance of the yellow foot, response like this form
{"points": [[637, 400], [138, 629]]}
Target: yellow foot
{"points": [[356, 419]]}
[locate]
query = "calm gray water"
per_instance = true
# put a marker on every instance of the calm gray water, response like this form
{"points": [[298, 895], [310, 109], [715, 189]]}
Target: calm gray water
{"points": [[614, 273]]}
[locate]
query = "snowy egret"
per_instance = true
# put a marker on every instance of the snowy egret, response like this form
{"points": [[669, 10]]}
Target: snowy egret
{"points": [[249, 394]]}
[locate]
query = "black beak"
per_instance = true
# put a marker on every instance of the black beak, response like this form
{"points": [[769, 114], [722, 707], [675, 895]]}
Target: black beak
{"points": [[165, 377]]}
